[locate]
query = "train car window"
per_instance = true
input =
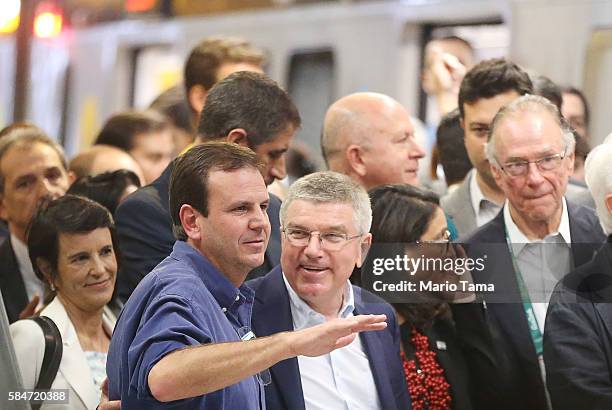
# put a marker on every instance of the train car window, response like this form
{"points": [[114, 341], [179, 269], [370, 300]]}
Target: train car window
{"points": [[311, 86], [154, 70], [489, 39]]}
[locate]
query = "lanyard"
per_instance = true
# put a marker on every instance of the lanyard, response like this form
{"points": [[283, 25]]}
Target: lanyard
{"points": [[532, 321]]}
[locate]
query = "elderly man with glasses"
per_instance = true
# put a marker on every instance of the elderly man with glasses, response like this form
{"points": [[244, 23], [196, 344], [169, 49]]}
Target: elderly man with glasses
{"points": [[325, 222], [537, 238]]}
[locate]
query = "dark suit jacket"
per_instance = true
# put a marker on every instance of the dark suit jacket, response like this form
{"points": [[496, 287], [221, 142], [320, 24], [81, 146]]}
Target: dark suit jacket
{"points": [[272, 314], [495, 336], [145, 233], [11, 282], [578, 337]]}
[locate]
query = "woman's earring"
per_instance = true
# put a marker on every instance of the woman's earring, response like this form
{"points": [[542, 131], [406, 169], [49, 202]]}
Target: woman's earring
{"points": [[52, 286]]}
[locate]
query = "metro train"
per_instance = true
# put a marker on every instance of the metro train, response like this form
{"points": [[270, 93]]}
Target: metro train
{"points": [[319, 52]]}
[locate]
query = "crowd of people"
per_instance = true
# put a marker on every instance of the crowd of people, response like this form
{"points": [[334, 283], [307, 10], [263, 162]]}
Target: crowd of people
{"points": [[183, 262]]}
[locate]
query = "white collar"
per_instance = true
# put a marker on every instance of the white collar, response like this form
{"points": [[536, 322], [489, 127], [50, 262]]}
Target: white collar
{"points": [[22, 254], [476, 195], [304, 316], [518, 239], [32, 284]]}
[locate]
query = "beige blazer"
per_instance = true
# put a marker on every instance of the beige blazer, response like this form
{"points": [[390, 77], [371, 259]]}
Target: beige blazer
{"points": [[73, 373]]}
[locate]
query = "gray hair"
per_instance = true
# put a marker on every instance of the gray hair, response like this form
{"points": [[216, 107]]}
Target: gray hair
{"points": [[329, 186], [598, 176], [527, 103]]}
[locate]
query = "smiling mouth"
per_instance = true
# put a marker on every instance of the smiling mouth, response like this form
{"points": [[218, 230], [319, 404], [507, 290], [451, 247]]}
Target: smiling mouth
{"points": [[313, 269], [101, 283]]}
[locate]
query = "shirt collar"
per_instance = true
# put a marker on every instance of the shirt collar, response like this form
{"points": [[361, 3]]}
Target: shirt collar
{"points": [[304, 316], [225, 293], [23, 258], [518, 238], [476, 195]]}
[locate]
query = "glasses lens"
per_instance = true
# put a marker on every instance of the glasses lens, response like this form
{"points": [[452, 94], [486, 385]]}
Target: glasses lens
{"points": [[550, 163]]}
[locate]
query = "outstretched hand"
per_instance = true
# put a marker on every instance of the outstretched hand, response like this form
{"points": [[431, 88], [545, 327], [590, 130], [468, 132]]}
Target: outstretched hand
{"points": [[332, 335]]}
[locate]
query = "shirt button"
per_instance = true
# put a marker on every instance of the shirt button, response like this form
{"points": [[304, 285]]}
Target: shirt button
{"points": [[237, 298], [224, 310]]}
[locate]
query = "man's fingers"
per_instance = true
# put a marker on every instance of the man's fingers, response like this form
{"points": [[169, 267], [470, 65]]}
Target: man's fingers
{"points": [[30, 308], [363, 323], [345, 341]]}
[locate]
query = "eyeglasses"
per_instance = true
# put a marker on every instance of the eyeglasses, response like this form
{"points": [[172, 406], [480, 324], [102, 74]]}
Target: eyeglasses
{"points": [[444, 239], [331, 241], [520, 168]]}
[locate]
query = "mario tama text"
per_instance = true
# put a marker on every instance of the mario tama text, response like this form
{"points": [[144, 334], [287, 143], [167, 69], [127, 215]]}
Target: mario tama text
{"points": [[407, 274]]}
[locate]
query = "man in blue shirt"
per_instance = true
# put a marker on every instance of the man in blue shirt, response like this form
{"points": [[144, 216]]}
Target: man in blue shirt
{"points": [[181, 339]]}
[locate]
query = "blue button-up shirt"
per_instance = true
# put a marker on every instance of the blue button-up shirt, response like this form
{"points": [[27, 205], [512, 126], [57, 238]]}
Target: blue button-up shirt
{"points": [[185, 301]]}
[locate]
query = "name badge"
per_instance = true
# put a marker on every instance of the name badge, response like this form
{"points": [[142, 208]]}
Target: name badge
{"points": [[250, 335]]}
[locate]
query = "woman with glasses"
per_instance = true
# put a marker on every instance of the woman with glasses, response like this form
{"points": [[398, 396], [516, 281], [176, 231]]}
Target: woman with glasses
{"points": [[435, 368], [71, 243]]}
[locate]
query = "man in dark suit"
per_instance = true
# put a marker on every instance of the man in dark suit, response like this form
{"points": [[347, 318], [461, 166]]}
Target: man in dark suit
{"points": [[326, 219], [143, 219], [578, 332], [487, 87], [531, 156], [32, 169]]}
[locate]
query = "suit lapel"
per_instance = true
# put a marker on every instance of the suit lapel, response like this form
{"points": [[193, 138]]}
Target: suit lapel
{"points": [[273, 305], [586, 235], [11, 282], [74, 366], [376, 356]]}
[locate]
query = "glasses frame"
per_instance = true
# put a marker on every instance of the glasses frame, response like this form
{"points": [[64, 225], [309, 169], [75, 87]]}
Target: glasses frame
{"points": [[537, 162], [320, 234]]}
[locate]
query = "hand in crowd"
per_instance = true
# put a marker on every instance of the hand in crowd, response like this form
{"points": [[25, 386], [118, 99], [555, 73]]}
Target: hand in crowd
{"points": [[446, 71], [30, 308], [106, 404], [334, 334]]}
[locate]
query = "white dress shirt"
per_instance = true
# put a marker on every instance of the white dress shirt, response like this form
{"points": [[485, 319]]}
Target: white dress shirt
{"points": [[341, 379], [542, 263], [33, 285], [484, 208]]}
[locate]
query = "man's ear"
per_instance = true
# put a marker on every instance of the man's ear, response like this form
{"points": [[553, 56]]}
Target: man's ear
{"points": [[197, 97], [366, 243], [608, 202], [72, 177], [354, 157], [238, 136], [189, 221]]}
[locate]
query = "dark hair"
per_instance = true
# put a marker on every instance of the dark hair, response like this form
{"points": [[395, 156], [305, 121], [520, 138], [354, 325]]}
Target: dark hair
{"points": [[173, 104], [67, 214], [106, 188], [575, 91], [250, 101], [206, 58], [26, 134], [189, 179], [451, 148], [401, 214], [582, 147], [121, 129], [545, 87], [490, 78]]}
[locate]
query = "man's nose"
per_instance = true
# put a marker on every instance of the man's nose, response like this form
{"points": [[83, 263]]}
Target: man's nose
{"points": [[278, 169]]}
